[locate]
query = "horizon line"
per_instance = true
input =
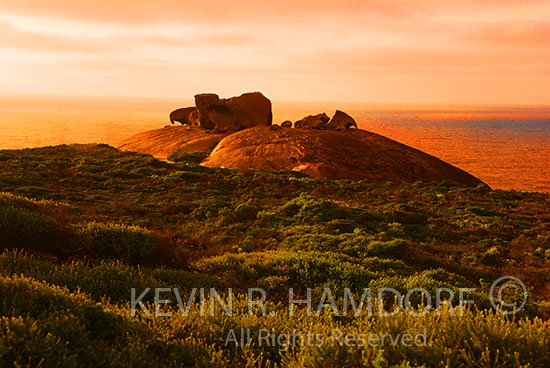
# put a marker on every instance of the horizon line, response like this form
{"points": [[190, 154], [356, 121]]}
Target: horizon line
{"points": [[349, 104]]}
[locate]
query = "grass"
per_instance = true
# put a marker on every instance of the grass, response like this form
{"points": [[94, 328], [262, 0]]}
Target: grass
{"points": [[80, 225]]}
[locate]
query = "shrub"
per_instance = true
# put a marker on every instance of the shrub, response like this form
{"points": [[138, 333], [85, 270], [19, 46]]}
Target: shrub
{"points": [[307, 208], [356, 243], [46, 326], [187, 157], [111, 280], [299, 270], [127, 243], [24, 226], [341, 226]]}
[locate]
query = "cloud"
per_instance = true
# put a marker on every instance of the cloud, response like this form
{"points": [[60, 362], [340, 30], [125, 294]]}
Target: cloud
{"points": [[242, 11], [130, 11], [294, 48], [426, 61], [11, 37], [517, 35], [84, 38]]}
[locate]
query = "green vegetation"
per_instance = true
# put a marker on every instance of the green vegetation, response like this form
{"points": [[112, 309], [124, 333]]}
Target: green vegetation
{"points": [[187, 157], [81, 225]]}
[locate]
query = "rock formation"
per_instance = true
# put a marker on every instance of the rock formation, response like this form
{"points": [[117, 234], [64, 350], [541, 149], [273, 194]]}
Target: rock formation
{"points": [[238, 133], [250, 109], [313, 122], [351, 154], [223, 115], [185, 116], [341, 121], [165, 141]]}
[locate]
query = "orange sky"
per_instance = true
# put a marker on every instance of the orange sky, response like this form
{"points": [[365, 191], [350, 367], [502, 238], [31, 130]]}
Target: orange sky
{"points": [[366, 51]]}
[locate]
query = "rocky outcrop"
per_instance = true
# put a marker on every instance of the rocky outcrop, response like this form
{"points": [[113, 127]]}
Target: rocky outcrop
{"points": [[313, 122], [250, 109], [238, 133], [341, 121], [224, 115], [213, 113], [232, 114], [161, 143], [186, 116], [350, 154]]}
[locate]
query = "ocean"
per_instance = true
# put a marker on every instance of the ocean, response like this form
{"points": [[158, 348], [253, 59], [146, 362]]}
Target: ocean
{"points": [[507, 147]]}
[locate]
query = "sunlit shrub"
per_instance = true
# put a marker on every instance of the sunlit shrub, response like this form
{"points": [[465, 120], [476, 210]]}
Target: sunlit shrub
{"points": [[107, 279], [309, 209], [23, 225], [187, 157], [299, 270], [127, 243]]}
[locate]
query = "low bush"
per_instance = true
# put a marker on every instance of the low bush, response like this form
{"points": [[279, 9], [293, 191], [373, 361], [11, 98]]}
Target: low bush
{"points": [[64, 300], [306, 208], [111, 280], [131, 244], [25, 224], [187, 157]]}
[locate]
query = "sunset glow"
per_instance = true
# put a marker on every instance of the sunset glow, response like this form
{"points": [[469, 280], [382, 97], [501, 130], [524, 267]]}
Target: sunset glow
{"points": [[372, 51]]}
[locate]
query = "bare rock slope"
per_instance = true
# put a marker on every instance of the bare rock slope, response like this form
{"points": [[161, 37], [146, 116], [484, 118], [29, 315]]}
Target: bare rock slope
{"points": [[162, 142], [349, 154], [238, 133]]}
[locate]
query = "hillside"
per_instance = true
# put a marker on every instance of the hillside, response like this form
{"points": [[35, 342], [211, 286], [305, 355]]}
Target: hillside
{"points": [[351, 154], [162, 142], [82, 224]]}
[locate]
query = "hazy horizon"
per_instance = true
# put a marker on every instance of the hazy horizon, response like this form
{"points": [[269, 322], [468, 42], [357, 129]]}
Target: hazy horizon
{"points": [[189, 100], [476, 139]]}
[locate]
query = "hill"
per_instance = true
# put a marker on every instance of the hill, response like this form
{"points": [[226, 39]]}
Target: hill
{"points": [[162, 142], [351, 154], [80, 225]]}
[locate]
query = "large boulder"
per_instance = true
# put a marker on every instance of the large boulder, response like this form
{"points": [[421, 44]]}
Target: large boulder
{"points": [[341, 121], [251, 109], [213, 113], [287, 124], [185, 116], [313, 122], [235, 113]]}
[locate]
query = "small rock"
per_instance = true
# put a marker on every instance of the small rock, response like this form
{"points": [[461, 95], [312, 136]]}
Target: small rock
{"points": [[341, 121], [313, 122]]}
